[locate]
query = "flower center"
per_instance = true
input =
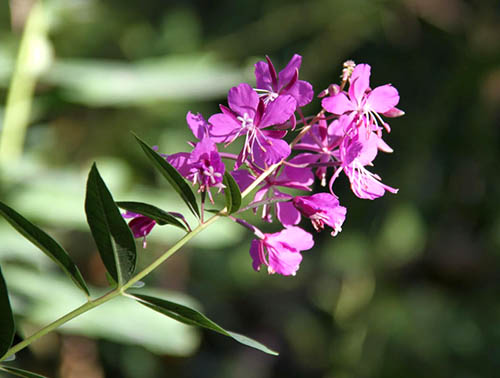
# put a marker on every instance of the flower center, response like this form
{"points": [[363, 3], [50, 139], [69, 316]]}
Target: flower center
{"points": [[246, 122]]}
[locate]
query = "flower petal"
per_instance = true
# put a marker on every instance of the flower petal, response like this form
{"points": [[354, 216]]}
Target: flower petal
{"points": [[287, 73], [243, 99], [262, 76], [223, 128], [198, 125], [243, 178], [278, 111], [287, 214], [284, 261], [274, 151], [338, 104], [360, 82], [302, 91], [255, 254], [293, 238], [382, 99]]}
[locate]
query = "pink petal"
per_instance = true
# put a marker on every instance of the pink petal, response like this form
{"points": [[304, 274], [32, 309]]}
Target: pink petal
{"points": [[394, 112], [197, 124], [275, 151], [360, 82], [383, 98], [243, 99], [262, 76], [338, 104], [180, 161], [279, 111], [223, 128], [255, 249], [294, 238], [287, 214], [302, 91], [285, 262], [243, 178], [287, 73]]}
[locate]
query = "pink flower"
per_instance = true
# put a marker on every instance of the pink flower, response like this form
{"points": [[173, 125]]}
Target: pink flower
{"points": [[203, 166], [355, 154], [280, 251], [248, 116], [140, 225], [270, 85], [321, 209], [362, 104]]}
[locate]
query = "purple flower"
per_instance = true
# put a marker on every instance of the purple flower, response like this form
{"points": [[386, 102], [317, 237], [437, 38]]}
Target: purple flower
{"points": [[355, 154], [271, 86], [203, 166], [280, 251], [321, 209], [363, 104], [248, 116], [140, 225]]}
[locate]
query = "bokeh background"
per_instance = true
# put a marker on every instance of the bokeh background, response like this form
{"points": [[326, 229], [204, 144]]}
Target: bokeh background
{"points": [[408, 289]]}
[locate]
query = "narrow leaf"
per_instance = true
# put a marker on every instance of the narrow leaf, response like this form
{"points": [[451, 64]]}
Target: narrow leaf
{"points": [[20, 372], [160, 216], [233, 194], [189, 316], [112, 236], [45, 243], [173, 177], [7, 327]]}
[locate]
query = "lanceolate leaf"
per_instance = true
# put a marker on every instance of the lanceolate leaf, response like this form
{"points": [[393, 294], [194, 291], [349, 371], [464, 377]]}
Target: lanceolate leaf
{"points": [[7, 328], [161, 217], [20, 373], [173, 177], [46, 244], [112, 236], [233, 194], [192, 317]]}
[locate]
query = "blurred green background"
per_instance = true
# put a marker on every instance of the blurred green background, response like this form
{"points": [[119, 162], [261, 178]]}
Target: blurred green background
{"points": [[408, 289]]}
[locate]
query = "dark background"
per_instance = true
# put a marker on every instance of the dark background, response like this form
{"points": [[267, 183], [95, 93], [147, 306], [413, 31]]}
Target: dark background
{"points": [[408, 289]]}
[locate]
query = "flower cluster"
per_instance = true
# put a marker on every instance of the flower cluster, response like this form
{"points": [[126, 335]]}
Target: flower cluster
{"points": [[344, 137]]}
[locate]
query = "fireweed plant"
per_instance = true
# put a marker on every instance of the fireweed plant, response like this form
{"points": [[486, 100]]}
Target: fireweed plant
{"points": [[343, 138]]}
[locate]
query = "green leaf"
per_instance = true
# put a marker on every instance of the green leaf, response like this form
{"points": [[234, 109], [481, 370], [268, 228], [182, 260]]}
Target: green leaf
{"points": [[7, 327], [192, 317], [45, 243], [173, 177], [233, 194], [112, 236], [160, 216], [20, 372]]}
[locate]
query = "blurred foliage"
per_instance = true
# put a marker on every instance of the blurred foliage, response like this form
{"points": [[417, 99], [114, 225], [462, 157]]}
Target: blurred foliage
{"points": [[408, 289]]}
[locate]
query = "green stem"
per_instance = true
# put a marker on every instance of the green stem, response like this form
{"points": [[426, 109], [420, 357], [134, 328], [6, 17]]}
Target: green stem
{"points": [[59, 322]]}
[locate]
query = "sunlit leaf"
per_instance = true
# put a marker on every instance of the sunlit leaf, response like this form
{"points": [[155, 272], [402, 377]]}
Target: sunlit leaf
{"points": [[45, 243], [173, 177], [233, 194], [189, 316], [7, 327], [160, 216], [112, 236]]}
